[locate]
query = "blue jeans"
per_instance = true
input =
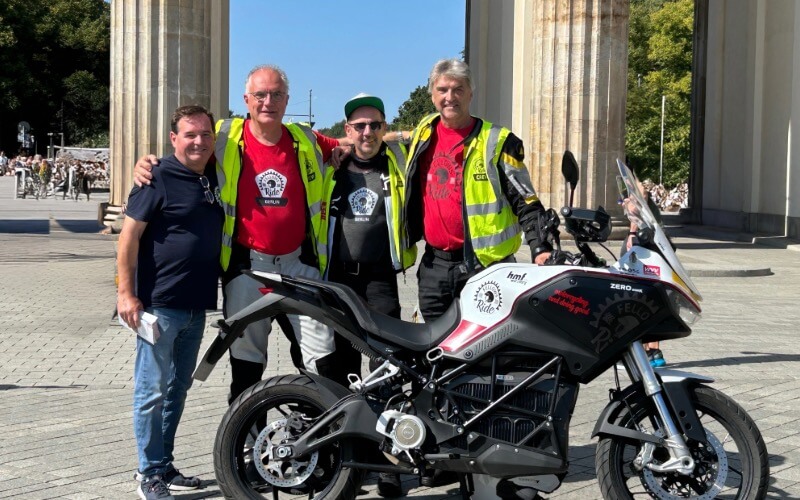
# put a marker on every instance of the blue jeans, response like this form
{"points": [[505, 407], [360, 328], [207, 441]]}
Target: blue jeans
{"points": [[162, 376]]}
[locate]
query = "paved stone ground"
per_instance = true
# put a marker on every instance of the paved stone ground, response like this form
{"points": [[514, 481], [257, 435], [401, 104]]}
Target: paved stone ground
{"points": [[66, 368]]}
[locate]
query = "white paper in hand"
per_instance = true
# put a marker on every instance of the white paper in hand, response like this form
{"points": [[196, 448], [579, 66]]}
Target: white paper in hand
{"points": [[148, 327]]}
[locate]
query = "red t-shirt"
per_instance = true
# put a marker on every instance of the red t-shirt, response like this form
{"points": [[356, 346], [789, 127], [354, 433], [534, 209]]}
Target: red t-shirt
{"points": [[441, 174], [271, 199]]}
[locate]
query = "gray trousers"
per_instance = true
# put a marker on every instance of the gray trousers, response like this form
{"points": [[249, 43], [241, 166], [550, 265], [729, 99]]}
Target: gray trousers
{"points": [[314, 338]]}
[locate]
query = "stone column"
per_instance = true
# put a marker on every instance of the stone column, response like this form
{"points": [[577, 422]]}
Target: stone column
{"points": [[579, 61], [164, 54]]}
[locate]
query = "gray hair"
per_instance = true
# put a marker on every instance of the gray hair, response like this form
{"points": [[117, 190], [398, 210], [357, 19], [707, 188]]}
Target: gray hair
{"points": [[270, 67], [453, 68]]}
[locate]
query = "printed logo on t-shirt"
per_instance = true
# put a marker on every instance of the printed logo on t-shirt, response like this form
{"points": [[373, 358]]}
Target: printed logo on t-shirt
{"points": [[444, 177], [362, 203], [271, 184]]}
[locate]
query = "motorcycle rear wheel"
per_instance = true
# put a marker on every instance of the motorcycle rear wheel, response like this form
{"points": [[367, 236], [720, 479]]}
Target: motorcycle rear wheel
{"points": [[273, 411], [733, 465]]}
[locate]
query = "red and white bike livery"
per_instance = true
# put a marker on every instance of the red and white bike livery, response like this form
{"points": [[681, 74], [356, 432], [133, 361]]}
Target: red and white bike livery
{"points": [[488, 389]]}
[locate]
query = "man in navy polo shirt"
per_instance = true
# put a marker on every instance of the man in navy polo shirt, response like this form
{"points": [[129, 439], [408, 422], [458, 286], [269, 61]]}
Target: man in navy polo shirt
{"points": [[169, 249]]}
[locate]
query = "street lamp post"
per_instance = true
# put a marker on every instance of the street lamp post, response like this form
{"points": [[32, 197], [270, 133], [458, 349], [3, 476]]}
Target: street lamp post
{"points": [[50, 153], [62, 144], [661, 163]]}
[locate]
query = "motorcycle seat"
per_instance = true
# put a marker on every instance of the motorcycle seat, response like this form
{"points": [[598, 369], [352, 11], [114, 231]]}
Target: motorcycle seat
{"points": [[417, 337]]}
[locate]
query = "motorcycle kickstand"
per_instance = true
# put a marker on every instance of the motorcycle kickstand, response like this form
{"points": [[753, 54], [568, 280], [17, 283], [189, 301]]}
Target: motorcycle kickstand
{"points": [[466, 485]]}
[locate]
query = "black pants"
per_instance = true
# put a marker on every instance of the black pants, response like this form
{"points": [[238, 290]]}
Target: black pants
{"points": [[246, 373], [377, 285], [441, 280]]}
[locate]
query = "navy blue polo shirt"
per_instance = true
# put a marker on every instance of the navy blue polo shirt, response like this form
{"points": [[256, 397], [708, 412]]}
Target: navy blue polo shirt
{"points": [[178, 262]]}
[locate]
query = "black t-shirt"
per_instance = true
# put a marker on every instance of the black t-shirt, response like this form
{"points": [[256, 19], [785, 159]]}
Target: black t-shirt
{"points": [[178, 262], [357, 202]]}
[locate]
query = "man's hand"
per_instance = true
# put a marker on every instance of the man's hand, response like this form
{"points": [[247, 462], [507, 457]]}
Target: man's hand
{"points": [[541, 258], [142, 170], [128, 307], [338, 155], [629, 242]]}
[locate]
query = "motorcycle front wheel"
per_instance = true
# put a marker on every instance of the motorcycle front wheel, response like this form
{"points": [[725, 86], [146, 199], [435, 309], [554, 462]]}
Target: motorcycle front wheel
{"points": [[271, 413], [733, 464]]}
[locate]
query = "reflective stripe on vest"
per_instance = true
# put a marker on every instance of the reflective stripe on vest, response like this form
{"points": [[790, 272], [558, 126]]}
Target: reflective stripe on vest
{"points": [[493, 227], [228, 156], [312, 171], [402, 258]]}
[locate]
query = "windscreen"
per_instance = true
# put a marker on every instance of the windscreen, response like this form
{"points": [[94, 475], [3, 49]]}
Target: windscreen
{"points": [[640, 214]]}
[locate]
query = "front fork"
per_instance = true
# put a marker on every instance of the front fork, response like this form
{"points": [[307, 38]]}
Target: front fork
{"points": [[681, 460]]}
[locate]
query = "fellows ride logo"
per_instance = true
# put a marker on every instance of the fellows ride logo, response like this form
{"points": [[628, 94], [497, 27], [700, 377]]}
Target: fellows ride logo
{"points": [[619, 315], [271, 184], [362, 203], [488, 298], [444, 177]]}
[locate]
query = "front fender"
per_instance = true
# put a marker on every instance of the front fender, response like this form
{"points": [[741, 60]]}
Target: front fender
{"points": [[606, 426], [677, 387], [678, 390]]}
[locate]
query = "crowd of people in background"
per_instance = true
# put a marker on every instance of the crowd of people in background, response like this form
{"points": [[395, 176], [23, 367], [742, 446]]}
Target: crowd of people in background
{"points": [[46, 177]]}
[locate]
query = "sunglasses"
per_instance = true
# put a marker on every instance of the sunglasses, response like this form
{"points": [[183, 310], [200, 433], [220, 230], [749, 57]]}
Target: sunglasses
{"points": [[360, 127], [208, 194]]}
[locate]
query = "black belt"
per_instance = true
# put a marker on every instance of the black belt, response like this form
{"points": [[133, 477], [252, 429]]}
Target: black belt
{"points": [[357, 268], [453, 256]]}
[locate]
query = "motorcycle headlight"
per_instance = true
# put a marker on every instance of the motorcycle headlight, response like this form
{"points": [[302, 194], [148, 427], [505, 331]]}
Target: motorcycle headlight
{"points": [[685, 308]]}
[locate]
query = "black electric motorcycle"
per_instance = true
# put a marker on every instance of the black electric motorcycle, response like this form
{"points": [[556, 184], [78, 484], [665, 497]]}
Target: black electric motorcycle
{"points": [[488, 389]]}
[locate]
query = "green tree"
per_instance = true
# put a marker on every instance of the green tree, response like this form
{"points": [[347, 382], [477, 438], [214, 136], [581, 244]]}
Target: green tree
{"points": [[413, 109], [55, 62], [659, 63], [335, 130]]}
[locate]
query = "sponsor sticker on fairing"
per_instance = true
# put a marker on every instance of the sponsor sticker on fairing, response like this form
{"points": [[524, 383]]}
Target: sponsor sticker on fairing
{"points": [[652, 270]]}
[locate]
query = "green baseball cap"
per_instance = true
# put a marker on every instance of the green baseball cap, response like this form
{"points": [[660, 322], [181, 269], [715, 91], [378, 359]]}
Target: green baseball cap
{"points": [[363, 99]]}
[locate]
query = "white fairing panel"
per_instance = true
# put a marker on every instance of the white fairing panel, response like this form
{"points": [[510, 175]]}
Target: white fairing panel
{"points": [[489, 297]]}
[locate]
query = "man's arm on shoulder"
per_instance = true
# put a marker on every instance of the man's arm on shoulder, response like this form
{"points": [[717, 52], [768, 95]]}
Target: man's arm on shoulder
{"points": [[516, 183], [128, 305], [334, 151], [142, 170]]}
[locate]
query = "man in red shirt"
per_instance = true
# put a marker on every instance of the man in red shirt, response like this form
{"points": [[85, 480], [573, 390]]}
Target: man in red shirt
{"points": [[456, 159], [271, 186]]}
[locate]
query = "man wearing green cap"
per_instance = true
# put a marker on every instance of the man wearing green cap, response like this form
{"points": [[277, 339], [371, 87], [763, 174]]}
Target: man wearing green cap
{"points": [[364, 197]]}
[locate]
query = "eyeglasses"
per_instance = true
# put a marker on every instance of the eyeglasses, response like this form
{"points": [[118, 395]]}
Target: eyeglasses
{"points": [[261, 96], [360, 127], [208, 194]]}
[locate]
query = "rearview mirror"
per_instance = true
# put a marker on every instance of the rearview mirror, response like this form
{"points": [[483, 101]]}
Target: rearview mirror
{"points": [[570, 171]]}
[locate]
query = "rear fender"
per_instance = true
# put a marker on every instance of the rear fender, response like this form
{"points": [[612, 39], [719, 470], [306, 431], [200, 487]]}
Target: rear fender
{"points": [[677, 391], [330, 391]]}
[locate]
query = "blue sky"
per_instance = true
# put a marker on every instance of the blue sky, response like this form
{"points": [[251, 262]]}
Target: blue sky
{"points": [[343, 47]]}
